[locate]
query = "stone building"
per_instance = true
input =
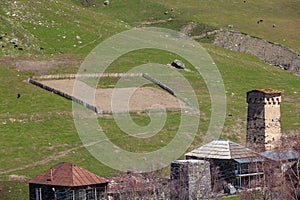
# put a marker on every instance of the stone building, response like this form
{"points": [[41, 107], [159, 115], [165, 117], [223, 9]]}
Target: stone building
{"points": [[263, 120], [190, 179], [229, 162]]}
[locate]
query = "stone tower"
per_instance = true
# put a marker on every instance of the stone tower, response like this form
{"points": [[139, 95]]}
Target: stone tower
{"points": [[190, 179], [263, 120]]}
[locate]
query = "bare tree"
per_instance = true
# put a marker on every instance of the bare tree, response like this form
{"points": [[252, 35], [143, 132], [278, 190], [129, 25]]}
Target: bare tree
{"points": [[281, 175]]}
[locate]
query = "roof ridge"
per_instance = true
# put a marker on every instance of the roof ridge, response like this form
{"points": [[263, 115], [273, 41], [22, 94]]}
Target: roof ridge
{"points": [[73, 175], [229, 148]]}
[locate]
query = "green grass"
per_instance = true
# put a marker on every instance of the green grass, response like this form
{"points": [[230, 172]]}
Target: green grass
{"points": [[56, 26], [13, 190], [62, 22], [201, 29], [231, 198], [285, 14], [40, 125]]}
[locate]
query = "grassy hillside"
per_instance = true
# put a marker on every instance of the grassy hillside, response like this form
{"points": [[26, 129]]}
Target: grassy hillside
{"points": [[243, 15], [37, 130], [54, 25]]}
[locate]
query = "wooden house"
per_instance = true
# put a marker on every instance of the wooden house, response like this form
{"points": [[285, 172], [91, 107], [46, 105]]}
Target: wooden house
{"points": [[229, 162], [67, 181]]}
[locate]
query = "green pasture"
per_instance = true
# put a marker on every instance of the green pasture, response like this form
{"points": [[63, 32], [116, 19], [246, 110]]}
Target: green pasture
{"points": [[39, 126]]}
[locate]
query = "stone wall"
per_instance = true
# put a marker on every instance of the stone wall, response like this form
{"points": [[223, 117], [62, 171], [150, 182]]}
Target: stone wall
{"points": [[266, 51], [272, 120], [191, 179], [263, 120]]}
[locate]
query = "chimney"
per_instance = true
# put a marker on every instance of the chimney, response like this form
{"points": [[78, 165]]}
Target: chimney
{"points": [[263, 119], [51, 175]]}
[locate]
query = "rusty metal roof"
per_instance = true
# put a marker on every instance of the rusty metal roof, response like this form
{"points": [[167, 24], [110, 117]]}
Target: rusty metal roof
{"points": [[221, 149], [67, 174]]}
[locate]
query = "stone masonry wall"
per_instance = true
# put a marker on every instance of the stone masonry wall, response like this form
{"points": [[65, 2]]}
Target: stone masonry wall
{"points": [[272, 120], [263, 121], [191, 179], [266, 51], [255, 137]]}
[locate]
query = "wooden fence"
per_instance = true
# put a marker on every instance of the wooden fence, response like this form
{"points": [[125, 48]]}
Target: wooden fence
{"points": [[89, 106], [60, 93], [157, 82], [166, 88], [95, 75]]}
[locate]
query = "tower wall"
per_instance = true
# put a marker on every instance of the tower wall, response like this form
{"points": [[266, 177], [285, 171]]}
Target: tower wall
{"points": [[272, 121], [263, 119], [191, 179]]}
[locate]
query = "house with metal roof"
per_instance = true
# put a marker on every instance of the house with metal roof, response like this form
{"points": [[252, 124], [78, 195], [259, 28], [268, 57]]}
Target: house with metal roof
{"points": [[283, 159], [67, 181], [221, 149], [241, 166], [282, 155], [230, 162]]}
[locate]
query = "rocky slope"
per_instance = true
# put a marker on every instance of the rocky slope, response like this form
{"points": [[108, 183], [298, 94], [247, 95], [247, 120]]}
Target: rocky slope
{"points": [[266, 51]]}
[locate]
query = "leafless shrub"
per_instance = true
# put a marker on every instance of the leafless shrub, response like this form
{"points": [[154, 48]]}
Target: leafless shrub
{"points": [[281, 176]]}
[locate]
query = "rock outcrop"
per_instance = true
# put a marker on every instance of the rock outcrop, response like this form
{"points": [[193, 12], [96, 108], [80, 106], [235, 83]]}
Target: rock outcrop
{"points": [[268, 52]]}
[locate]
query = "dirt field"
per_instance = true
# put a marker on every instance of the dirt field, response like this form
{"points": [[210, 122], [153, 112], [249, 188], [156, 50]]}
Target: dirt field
{"points": [[122, 99], [39, 67]]}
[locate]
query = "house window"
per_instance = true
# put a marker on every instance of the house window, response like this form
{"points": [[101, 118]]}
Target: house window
{"points": [[38, 193], [89, 194], [82, 194], [254, 139], [236, 169], [70, 195]]}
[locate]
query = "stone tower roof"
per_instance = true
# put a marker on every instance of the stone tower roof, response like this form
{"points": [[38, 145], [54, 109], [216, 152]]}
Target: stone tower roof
{"points": [[266, 91]]}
